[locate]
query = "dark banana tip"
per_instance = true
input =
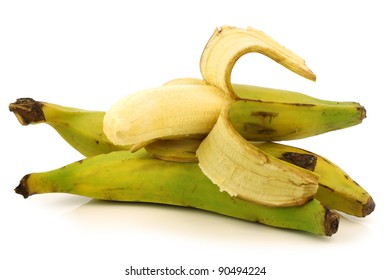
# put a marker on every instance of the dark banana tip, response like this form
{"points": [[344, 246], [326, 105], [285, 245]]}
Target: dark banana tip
{"points": [[369, 207], [27, 111], [363, 112], [331, 223], [22, 189]]}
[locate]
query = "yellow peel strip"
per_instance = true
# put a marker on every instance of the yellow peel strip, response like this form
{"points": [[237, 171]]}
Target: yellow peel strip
{"points": [[228, 44], [243, 170]]}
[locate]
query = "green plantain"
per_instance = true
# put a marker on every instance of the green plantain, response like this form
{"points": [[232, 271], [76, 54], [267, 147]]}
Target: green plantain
{"points": [[137, 177]]}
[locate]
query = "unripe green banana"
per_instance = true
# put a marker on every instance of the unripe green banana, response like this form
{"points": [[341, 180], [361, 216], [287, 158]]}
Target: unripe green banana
{"points": [[125, 176], [336, 189]]}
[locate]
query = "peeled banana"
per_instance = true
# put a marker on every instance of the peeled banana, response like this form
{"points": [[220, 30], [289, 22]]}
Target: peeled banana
{"points": [[136, 177], [141, 118]]}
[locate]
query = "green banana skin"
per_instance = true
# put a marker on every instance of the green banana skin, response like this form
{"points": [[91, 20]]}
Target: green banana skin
{"points": [[82, 129], [266, 114], [125, 176], [271, 121], [336, 189]]}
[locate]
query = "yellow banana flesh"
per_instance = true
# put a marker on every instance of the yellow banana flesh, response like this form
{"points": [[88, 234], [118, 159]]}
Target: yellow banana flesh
{"points": [[176, 111], [136, 177], [242, 170]]}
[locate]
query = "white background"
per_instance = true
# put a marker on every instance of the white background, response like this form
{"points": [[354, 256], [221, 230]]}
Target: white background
{"points": [[88, 54]]}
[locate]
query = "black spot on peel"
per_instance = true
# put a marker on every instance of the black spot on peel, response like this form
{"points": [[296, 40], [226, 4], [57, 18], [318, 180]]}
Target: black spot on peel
{"points": [[306, 161]]}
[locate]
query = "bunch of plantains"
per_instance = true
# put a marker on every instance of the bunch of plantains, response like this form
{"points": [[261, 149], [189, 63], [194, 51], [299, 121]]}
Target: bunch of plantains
{"points": [[209, 144]]}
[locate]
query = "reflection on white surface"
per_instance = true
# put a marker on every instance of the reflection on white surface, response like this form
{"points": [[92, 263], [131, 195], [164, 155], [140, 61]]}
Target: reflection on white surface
{"points": [[92, 237], [192, 223]]}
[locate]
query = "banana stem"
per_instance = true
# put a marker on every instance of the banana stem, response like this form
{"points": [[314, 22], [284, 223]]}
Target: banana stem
{"points": [[27, 111], [119, 176]]}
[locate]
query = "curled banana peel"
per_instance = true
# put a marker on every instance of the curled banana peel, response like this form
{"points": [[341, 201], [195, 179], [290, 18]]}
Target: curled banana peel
{"points": [[228, 44], [243, 170]]}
